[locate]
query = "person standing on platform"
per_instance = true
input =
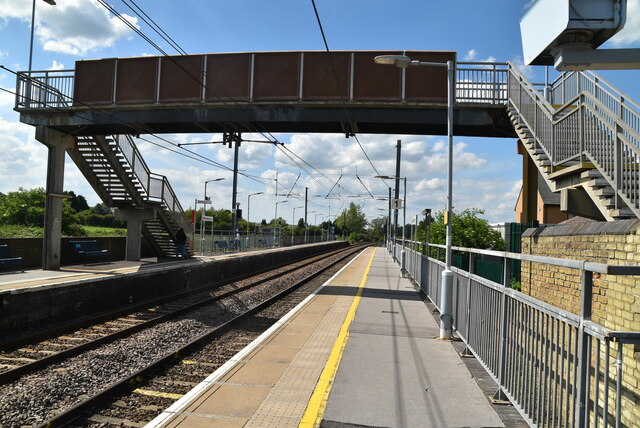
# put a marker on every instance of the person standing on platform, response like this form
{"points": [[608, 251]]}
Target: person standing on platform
{"points": [[181, 241]]}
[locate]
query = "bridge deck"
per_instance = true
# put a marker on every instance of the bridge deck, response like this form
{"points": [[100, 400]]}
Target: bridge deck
{"points": [[341, 92]]}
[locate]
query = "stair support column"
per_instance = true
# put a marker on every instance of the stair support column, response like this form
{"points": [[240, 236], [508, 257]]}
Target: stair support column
{"points": [[57, 144], [529, 187], [134, 218]]}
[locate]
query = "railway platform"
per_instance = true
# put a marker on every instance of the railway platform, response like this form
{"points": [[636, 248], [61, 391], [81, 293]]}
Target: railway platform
{"points": [[360, 351], [36, 299]]}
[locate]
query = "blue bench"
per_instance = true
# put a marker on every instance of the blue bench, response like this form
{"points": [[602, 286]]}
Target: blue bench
{"points": [[7, 260], [89, 251], [222, 245]]}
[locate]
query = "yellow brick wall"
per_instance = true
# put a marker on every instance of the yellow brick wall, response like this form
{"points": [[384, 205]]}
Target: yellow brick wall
{"points": [[616, 299]]}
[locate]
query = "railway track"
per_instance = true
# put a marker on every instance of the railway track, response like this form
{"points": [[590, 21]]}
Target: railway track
{"points": [[142, 343], [37, 355]]}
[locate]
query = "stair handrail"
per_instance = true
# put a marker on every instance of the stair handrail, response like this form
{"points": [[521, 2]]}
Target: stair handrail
{"points": [[567, 131], [149, 181], [534, 119]]}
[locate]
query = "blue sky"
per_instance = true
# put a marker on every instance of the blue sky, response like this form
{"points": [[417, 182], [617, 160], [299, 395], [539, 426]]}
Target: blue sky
{"points": [[488, 171]]}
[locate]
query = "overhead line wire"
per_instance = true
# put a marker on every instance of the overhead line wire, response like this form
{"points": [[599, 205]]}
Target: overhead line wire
{"points": [[183, 52], [335, 74]]}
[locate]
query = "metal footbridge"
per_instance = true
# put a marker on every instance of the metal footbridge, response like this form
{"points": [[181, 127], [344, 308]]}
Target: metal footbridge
{"points": [[580, 132]]}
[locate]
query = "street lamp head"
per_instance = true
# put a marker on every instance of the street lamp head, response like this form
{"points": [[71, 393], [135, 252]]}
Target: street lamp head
{"points": [[401, 61], [215, 179], [51, 2], [259, 193]]}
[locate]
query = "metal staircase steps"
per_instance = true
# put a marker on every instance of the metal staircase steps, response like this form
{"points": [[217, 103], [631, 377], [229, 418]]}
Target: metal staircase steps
{"points": [[104, 164], [578, 146]]}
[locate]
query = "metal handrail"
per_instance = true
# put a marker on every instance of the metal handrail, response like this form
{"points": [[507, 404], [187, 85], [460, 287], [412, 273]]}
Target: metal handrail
{"points": [[584, 128], [164, 194], [44, 89], [481, 82]]}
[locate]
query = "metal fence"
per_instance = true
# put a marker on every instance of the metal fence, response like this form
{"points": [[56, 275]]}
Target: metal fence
{"points": [[221, 241], [44, 89], [559, 369]]}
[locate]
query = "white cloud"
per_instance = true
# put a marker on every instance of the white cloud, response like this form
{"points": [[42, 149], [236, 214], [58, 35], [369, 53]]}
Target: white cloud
{"points": [[471, 55], [630, 34], [73, 27], [56, 65]]}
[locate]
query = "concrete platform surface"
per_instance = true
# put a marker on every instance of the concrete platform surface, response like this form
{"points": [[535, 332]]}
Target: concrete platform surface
{"points": [[395, 372]]}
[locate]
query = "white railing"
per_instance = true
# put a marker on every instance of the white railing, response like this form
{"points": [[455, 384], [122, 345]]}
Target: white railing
{"points": [[44, 89], [558, 368], [594, 124], [156, 187], [481, 82]]}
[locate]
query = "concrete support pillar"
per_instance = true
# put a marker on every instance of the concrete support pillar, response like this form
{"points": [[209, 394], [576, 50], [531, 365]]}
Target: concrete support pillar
{"points": [[529, 187], [57, 144], [134, 218]]}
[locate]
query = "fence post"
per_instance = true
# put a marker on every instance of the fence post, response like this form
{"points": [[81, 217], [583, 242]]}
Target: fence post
{"points": [[581, 409], [466, 352], [502, 356]]}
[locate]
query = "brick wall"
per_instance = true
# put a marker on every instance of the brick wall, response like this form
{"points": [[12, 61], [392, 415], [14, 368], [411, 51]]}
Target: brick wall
{"points": [[616, 299]]}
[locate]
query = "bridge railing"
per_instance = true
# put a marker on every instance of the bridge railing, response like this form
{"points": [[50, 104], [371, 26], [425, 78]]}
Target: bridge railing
{"points": [[481, 82], [476, 82], [44, 89], [558, 368]]}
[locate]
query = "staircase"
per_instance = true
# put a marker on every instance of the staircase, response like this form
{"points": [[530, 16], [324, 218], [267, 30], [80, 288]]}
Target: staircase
{"points": [[584, 139], [115, 169]]}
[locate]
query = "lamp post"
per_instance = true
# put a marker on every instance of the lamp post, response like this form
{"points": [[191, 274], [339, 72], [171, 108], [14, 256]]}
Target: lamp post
{"points": [[33, 24], [427, 225], [396, 207], [248, 208], [293, 224], [446, 312], [306, 226], [275, 222], [204, 208]]}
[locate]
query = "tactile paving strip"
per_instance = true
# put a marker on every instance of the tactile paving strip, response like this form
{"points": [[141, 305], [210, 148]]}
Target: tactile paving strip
{"points": [[303, 343]]}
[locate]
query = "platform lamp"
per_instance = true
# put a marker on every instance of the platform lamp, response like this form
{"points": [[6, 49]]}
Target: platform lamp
{"points": [[446, 310], [248, 208], [427, 224], [293, 224], [204, 208], [275, 222], [33, 24]]}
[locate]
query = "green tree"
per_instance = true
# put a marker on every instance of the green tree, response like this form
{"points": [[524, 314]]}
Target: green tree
{"points": [[468, 230], [101, 209], [352, 220], [78, 202], [377, 229], [26, 207]]}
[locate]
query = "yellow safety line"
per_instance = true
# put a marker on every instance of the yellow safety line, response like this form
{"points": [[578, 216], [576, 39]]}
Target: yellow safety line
{"points": [[158, 393], [318, 401]]}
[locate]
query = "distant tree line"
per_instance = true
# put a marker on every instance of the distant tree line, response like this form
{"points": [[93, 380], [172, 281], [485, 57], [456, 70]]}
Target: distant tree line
{"points": [[26, 208]]}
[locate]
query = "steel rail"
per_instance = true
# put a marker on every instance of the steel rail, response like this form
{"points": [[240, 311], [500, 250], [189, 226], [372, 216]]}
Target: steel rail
{"points": [[74, 412], [13, 374]]}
